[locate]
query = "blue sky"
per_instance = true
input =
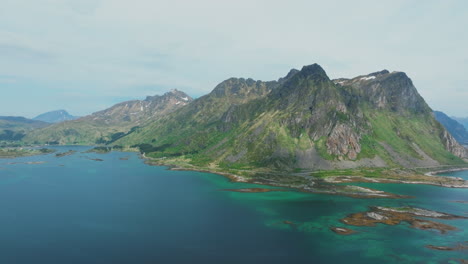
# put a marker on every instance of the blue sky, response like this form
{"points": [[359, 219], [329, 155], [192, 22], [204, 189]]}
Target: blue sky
{"points": [[84, 56]]}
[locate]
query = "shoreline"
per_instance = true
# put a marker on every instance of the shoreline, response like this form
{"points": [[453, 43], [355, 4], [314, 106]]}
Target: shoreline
{"points": [[329, 179], [329, 185], [435, 173], [316, 185], [21, 152]]}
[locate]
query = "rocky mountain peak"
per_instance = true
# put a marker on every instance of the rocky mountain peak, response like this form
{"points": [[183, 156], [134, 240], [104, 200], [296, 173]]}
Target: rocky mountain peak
{"points": [[173, 94], [242, 88], [371, 77], [304, 86], [288, 76], [313, 72], [379, 73], [179, 95], [388, 90]]}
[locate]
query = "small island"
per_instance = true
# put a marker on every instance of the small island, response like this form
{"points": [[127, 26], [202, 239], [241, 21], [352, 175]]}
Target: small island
{"points": [[254, 190], [463, 246], [342, 230], [397, 215], [63, 154], [8, 153]]}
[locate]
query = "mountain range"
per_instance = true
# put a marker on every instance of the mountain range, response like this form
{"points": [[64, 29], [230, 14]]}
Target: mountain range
{"points": [[461, 120], [15, 128], [457, 130], [108, 125], [302, 121], [56, 116]]}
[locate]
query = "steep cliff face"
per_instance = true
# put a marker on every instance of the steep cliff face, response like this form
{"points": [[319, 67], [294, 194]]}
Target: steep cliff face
{"points": [[310, 104], [394, 93], [343, 141], [305, 120], [388, 91], [452, 145], [110, 124]]}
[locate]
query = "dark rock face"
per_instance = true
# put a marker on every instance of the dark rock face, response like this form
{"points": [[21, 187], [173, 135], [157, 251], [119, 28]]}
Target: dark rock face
{"points": [[314, 72], [393, 91]]}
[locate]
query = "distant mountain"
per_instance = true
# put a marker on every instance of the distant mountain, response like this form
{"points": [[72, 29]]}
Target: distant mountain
{"points": [[15, 127], [303, 121], [462, 120], [110, 124], [55, 116], [457, 130]]}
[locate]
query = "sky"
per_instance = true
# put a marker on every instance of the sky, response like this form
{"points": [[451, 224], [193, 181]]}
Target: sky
{"points": [[86, 55]]}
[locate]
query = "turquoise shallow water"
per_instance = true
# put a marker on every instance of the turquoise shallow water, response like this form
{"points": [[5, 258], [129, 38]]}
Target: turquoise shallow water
{"points": [[76, 210]]}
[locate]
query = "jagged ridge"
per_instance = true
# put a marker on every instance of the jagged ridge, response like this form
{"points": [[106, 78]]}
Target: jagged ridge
{"points": [[307, 121], [108, 125]]}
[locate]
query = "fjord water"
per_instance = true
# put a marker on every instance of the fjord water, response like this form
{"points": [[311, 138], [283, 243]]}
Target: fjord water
{"points": [[74, 209]]}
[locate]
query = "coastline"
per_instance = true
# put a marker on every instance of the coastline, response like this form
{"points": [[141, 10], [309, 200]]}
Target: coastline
{"points": [[13, 153], [329, 185], [333, 185], [435, 173]]}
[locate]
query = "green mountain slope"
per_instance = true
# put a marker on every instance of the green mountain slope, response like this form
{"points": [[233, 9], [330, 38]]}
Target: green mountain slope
{"points": [[304, 121], [13, 128], [110, 124]]}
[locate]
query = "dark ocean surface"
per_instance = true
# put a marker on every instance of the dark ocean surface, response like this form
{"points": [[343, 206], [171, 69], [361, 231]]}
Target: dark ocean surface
{"points": [[74, 209]]}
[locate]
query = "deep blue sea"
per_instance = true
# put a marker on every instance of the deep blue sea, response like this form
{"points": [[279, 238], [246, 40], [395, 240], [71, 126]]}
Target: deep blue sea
{"points": [[74, 209]]}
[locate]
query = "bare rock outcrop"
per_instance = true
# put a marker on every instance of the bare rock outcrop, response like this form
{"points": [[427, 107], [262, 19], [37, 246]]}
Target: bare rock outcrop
{"points": [[452, 145], [343, 141]]}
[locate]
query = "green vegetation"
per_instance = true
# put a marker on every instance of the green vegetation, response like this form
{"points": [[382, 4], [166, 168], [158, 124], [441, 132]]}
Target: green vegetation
{"points": [[321, 147], [295, 125], [109, 125], [304, 117], [361, 172], [402, 134], [14, 129], [23, 152]]}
